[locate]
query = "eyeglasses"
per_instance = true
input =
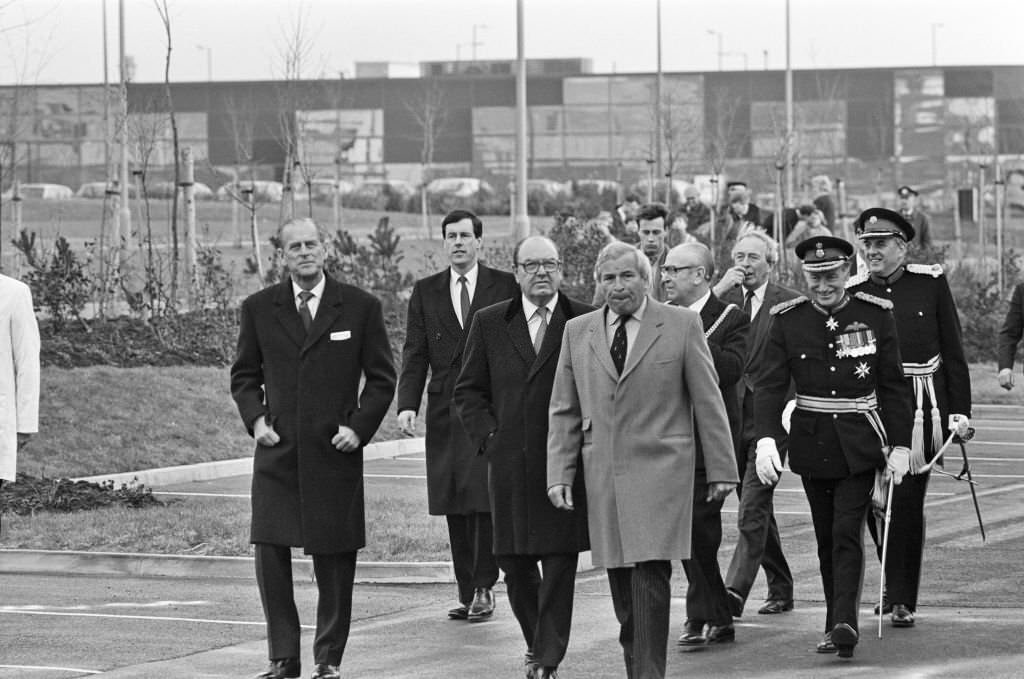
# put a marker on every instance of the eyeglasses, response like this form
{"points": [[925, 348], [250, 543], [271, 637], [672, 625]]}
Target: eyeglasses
{"points": [[673, 270], [549, 265]]}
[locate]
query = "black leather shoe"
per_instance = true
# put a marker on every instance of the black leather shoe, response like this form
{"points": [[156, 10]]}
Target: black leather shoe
{"points": [[482, 607], [886, 606], [323, 671], [735, 603], [825, 645], [774, 606], [693, 634], [459, 613], [720, 634], [902, 616], [845, 638], [286, 668]]}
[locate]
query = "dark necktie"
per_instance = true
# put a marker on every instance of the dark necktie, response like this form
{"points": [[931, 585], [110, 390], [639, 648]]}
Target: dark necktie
{"points": [[748, 299], [619, 346], [542, 312], [464, 300], [304, 313]]}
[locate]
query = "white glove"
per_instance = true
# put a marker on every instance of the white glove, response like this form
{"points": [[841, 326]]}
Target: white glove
{"points": [[898, 463], [959, 424], [768, 464], [787, 414]]}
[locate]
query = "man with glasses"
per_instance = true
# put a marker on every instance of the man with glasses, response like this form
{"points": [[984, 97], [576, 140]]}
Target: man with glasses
{"points": [[748, 285], [440, 311], [623, 410], [686, 276], [652, 232], [502, 399]]}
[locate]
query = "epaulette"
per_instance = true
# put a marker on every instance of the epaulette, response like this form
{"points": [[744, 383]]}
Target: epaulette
{"points": [[858, 279], [933, 270], [884, 303], [783, 307]]}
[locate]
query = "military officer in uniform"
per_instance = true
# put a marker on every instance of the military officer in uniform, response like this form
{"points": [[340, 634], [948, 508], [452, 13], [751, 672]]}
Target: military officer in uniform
{"points": [[934, 364], [852, 417], [916, 217]]}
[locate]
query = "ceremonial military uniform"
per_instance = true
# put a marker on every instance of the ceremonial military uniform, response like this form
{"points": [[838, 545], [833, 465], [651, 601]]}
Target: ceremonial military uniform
{"points": [[933, 362], [851, 403]]}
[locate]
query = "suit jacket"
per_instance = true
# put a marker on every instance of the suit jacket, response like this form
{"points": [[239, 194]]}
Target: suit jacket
{"points": [[306, 493], [726, 328], [635, 432], [434, 342], [1013, 328], [504, 389], [19, 371]]}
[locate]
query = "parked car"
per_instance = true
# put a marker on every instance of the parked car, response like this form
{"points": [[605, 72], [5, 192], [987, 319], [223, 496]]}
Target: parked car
{"points": [[392, 195], [323, 189], [544, 196], [263, 191], [166, 190], [40, 192], [101, 190], [599, 194], [449, 193], [661, 187]]}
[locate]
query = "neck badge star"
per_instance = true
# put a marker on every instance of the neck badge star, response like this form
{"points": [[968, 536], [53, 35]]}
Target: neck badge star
{"points": [[862, 370], [832, 324]]}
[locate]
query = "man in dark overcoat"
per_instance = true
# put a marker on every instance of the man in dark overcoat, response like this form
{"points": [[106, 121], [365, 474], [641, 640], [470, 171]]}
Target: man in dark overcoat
{"points": [[440, 310], [686, 276], [303, 347], [502, 398]]}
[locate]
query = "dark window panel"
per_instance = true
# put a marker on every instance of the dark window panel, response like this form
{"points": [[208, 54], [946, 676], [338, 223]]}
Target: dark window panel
{"points": [[1008, 82], [819, 85], [1010, 111], [968, 82]]}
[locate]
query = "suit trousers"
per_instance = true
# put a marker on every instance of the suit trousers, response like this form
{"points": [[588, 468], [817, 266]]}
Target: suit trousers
{"points": [[906, 540], [706, 600], [641, 595], [758, 543], [839, 508], [542, 601], [335, 574], [472, 540]]}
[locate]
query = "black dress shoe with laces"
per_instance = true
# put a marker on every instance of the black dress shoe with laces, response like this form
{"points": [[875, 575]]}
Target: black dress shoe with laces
{"points": [[720, 634], [825, 645], [845, 638], [460, 612], [283, 668], [693, 635], [482, 607], [324, 671], [902, 616], [774, 606]]}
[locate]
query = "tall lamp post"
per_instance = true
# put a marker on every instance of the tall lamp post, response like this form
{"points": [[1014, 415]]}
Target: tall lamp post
{"points": [[657, 101], [522, 220], [209, 61], [935, 52], [721, 50]]}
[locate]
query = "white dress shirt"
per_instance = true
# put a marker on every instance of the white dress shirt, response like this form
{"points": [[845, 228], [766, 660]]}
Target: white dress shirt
{"points": [[455, 288], [698, 306], [533, 320], [314, 302], [757, 300]]}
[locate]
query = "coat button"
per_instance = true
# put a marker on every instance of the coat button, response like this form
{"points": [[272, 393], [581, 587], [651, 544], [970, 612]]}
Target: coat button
{"points": [[889, 290], [803, 355], [832, 368], [835, 416], [833, 392], [920, 313], [829, 345]]}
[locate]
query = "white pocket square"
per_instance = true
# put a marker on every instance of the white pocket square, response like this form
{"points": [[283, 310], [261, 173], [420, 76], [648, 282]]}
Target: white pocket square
{"points": [[341, 335]]}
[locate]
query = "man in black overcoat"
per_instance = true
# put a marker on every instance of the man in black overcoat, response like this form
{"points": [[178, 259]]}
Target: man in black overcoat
{"points": [[303, 347], [440, 310]]}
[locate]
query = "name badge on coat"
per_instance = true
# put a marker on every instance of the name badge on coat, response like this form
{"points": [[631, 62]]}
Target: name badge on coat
{"points": [[341, 335]]}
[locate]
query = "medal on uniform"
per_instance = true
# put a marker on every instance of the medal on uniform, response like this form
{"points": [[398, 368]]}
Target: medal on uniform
{"points": [[857, 339], [831, 324], [862, 370]]}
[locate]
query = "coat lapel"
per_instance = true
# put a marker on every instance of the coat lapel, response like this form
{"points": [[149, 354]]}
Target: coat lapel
{"points": [[599, 343], [552, 338], [443, 297], [519, 332], [326, 313], [650, 330], [287, 315]]}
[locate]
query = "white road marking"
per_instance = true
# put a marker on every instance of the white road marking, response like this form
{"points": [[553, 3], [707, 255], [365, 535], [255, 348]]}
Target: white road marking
{"points": [[86, 607], [241, 496], [157, 618], [47, 668]]}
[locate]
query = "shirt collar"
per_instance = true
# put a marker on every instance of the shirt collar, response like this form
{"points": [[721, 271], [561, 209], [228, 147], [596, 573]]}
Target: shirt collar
{"points": [[891, 278], [698, 306], [612, 318], [470, 275], [317, 290], [759, 291], [529, 308]]}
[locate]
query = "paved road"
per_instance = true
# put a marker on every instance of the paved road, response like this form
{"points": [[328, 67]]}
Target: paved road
{"points": [[970, 620]]}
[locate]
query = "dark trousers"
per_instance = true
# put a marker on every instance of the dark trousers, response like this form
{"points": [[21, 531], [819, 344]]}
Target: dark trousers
{"points": [[758, 543], [906, 540], [839, 508], [706, 600], [641, 595], [471, 537], [335, 574], [542, 601]]}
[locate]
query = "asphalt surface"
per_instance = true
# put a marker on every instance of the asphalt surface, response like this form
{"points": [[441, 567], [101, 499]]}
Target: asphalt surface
{"points": [[970, 620]]}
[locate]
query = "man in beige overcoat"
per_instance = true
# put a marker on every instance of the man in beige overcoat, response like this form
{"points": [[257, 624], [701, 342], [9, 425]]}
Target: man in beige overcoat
{"points": [[623, 404], [19, 373]]}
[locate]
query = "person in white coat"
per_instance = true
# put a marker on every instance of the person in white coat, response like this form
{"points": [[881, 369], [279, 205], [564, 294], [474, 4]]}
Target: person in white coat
{"points": [[19, 373]]}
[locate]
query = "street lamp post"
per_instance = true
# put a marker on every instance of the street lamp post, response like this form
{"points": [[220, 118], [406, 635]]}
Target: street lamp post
{"points": [[935, 53], [476, 42], [209, 61], [721, 50]]}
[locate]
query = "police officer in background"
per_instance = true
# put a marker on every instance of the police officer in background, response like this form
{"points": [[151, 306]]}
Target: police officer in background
{"points": [[934, 364], [913, 214], [852, 409]]}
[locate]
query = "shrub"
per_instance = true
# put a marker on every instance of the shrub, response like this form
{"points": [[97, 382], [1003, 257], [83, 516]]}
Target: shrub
{"points": [[31, 494], [59, 282]]}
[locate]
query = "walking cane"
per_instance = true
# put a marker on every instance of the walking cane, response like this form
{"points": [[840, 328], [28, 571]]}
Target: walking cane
{"points": [[885, 550]]}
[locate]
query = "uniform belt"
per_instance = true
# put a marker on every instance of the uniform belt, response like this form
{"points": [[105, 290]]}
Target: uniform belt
{"points": [[825, 404], [929, 367]]}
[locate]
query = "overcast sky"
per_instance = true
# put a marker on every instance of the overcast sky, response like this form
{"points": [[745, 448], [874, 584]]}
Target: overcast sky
{"points": [[55, 41]]}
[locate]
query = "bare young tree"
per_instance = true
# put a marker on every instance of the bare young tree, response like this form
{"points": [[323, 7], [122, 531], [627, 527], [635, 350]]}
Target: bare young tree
{"points": [[429, 110], [242, 124], [165, 18]]}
